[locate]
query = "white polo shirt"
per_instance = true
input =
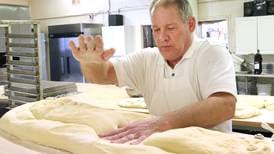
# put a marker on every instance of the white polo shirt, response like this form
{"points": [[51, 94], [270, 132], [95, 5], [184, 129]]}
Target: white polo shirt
{"points": [[204, 69]]}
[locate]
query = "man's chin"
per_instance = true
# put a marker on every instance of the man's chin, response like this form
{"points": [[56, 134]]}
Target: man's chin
{"points": [[167, 57]]}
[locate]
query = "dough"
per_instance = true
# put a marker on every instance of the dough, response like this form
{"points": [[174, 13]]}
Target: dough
{"points": [[73, 126], [250, 101], [69, 111], [248, 106], [246, 112], [270, 107], [132, 103], [269, 103], [195, 140]]}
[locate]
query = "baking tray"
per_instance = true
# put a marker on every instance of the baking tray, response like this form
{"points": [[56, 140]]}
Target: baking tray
{"points": [[20, 63], [23, 81], [50, 88], [21, 54], [22, 45], [21, 36], [24, 72]]}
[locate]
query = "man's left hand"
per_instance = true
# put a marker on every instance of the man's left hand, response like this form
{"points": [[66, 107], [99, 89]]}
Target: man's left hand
{"points": [[136, 132]]}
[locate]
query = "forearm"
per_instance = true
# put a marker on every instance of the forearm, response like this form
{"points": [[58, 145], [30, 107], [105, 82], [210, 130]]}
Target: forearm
{"points": [[100, 73], [207, 113]]}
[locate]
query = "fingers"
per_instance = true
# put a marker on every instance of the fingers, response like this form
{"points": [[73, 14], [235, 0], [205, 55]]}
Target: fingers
{"points": [[91, 46], [113, 132], [90, 43], [123, 135], [124, 139], [108, 53], [138, 140], [118, 136], [99, 46], [132, 138], [82, 44], [72, 46], [74, 49], [94, 43]]}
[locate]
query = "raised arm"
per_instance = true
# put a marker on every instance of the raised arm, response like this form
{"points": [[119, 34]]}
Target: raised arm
{"points": [[94, 60]]}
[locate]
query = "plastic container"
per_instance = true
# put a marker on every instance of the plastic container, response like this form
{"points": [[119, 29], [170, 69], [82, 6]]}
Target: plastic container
{"points": [[264, 89]]}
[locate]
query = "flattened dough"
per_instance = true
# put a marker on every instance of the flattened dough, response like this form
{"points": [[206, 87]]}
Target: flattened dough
{"points": [[73, 126], [269, 103], [69, 111], [132, 103], [246, 112], [195, 140], [270, 107], [251, 101]]}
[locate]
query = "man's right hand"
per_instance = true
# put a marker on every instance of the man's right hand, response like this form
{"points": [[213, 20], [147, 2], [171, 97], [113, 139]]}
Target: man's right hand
{"points": [[90, 50]]}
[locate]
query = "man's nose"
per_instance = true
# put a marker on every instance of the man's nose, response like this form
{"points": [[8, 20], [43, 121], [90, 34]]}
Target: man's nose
{"points": [[163, 36]]}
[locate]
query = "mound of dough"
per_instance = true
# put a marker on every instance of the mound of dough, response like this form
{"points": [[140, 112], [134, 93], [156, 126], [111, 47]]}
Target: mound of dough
{"points": [[195, 140], [270, 107], [73, 126], [250, 101], [246, 112], [69, 111], [269, 103], [132, 103]]}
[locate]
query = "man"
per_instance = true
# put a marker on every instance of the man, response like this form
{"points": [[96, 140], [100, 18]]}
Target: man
{"points": [[185, 81]]}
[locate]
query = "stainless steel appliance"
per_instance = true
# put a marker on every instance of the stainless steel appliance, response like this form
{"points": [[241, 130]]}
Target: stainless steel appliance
{"points": [[63, 66]]}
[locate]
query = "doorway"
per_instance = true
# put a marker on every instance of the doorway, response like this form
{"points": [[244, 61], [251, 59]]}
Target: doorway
{"points": [[215, 31]]}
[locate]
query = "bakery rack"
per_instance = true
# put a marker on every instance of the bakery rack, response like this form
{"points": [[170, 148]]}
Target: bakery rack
{"points": [[23, 68]]}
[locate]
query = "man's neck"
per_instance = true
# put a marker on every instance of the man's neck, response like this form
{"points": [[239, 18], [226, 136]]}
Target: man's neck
{"points": [[172, 63]]}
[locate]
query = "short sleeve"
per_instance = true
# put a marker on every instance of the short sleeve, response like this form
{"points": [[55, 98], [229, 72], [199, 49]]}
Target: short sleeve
{"points": [[216, 72], [130, 70]]}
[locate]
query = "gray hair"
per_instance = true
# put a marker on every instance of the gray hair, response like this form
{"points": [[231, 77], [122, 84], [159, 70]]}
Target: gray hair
{"points": [[183, 6]]}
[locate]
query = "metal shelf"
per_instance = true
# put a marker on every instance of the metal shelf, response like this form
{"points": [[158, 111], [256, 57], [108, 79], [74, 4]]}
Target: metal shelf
{"points": [[255, 75], [25, 90], [24, 78], [23, 81], [24, 72], [21, 36], [21, 54], [19, 63], [22, 45]]}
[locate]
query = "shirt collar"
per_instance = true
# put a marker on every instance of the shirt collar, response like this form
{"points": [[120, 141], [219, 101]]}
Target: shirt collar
{"points": [[190, 50]]}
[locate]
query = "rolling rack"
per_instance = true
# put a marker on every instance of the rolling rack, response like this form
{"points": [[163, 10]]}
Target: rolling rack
{"points": [[23, 68]]}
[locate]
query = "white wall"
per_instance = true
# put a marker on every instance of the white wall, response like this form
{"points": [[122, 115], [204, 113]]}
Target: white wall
{"points": [[41, 9], [91, 11], [15, 2], [194, 6], [56, 12]]}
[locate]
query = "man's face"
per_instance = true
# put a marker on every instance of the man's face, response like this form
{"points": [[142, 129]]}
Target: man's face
{"points": [[173, 37]]}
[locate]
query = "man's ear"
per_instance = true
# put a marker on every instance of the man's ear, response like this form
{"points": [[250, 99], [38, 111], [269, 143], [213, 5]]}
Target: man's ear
{"points": [[191, 23]]}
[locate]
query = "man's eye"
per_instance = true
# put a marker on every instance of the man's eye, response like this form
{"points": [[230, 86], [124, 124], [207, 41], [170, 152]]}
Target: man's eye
{"points": [[156, 30], [170, 28]]}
